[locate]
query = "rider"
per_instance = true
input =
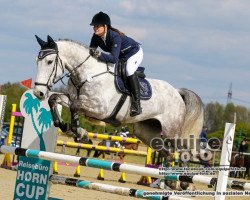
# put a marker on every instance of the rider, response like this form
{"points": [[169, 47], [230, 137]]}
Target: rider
{"points": [[119, 46]]}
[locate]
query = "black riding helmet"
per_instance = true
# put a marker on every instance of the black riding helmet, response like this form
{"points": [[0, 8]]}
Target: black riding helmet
{"points": [[101, 18]]}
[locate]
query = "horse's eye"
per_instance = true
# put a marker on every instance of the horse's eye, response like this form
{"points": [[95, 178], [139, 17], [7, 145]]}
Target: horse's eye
{"points": [[49, 62]]}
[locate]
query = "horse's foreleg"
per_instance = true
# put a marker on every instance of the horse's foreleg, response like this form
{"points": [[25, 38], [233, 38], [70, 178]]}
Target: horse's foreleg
{"points": [[75, 123], [58, 122]]}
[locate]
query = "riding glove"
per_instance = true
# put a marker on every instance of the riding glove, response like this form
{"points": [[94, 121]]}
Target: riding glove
{"points": [[94, 52]]}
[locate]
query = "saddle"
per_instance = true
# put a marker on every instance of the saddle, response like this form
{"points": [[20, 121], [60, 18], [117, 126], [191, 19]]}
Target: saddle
{"points": [[121, 84], [121, 81]]}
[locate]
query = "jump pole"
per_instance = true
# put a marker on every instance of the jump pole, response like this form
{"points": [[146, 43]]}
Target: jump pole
{"points": [[114, 138], [112, 166], [111, 137], [109, 188], [101, 148]]}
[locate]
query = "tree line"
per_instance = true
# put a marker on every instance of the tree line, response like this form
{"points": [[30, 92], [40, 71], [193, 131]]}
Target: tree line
{"points": [[216, 115]]}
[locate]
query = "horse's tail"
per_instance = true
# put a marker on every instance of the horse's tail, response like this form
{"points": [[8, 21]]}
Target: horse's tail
{"points": [[194, 113]]}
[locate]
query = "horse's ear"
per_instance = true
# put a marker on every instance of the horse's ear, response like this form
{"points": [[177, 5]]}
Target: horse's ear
{"points": [[40, 41], [50, 40]]}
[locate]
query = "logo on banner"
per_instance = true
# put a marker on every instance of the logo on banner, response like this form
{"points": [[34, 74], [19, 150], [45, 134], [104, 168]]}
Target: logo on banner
{"points": [[40, 117], [32, 181]]}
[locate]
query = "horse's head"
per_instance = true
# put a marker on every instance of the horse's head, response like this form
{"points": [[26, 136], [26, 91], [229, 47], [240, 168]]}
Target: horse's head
{"points": [[49, 67]]}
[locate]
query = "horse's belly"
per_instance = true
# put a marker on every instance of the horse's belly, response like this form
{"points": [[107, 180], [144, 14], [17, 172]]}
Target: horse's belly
{"points": [[167, 106]]}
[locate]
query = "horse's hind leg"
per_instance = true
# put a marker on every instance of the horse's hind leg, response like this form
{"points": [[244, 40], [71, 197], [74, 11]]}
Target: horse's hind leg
{"points": [[53, 101], [96, 155], [78, 152], [147, 130], [88, 152]]}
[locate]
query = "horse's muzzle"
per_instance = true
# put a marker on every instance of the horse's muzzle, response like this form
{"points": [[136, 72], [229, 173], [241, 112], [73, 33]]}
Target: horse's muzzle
{"points": [[39, 94]]}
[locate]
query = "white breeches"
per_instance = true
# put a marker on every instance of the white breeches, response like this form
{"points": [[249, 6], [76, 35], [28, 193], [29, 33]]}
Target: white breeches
{"points": [[134, 62]]}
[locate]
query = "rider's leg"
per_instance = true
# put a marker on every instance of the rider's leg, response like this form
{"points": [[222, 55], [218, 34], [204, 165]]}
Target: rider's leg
{"points": [[132, 64], [135, 108]]}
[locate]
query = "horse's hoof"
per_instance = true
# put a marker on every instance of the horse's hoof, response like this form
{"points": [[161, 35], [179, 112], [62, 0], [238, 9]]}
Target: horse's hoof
{"points": [[64, 127], [82, 133], [56, 123]]}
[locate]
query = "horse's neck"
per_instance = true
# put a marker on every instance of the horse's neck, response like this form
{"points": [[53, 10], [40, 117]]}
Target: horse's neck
{"points": [[75, 54]]}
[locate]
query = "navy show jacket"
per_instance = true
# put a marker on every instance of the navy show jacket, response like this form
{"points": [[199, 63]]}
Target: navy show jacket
{"points": [[119, 47]]}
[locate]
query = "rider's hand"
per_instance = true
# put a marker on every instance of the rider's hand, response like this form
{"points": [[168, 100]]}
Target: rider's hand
{"points": [[94, 52]]}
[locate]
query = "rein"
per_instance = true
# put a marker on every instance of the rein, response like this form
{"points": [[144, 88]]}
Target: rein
{"points": [[69, 73], [43, 53], [89, 79]]}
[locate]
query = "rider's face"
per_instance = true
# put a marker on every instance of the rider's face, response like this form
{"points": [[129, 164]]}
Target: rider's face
{"points": [[99, 30]]}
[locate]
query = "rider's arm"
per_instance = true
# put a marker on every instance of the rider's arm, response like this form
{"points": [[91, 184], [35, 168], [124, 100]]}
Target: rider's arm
{"points": [[94, 42], [115, 51]]}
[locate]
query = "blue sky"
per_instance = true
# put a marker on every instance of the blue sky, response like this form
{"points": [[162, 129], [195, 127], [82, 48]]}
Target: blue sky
{"points": [[202, 45]]}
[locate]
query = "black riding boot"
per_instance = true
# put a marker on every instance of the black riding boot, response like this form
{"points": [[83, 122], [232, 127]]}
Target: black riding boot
{"points": [[135, 108]]}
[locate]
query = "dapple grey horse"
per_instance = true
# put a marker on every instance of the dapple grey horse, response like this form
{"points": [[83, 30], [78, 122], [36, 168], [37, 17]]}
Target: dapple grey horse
{"points": [[92, 92]]}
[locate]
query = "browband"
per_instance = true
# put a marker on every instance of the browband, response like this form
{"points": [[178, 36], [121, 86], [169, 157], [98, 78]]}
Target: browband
{"points": [[43, 53]]}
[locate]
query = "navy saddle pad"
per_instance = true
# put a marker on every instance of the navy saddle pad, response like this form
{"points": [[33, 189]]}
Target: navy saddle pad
{"points": [[145, 87]]}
